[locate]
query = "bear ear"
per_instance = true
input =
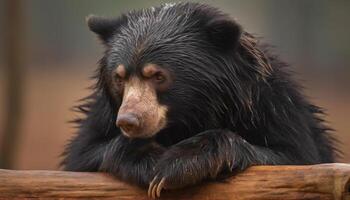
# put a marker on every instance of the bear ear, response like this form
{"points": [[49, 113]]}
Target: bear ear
{"points": [[104, 27], [224, 34]]}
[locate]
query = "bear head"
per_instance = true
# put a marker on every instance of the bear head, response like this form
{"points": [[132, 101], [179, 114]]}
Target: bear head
{"points": [[176, 68]]}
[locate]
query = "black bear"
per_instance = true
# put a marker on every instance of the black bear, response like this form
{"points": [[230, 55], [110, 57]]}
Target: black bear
{"points": [[183, 95]]}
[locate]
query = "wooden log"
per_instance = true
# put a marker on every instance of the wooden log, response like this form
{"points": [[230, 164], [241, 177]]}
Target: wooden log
{"points": [[325, 181]]}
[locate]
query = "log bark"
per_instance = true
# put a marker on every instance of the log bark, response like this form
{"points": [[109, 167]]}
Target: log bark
{"points": [[325, 181]]}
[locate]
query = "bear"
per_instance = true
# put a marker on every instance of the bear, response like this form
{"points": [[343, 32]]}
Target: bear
{"points": [[184, 94]]}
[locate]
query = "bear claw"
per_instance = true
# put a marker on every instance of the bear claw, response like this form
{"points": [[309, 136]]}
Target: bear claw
{"points": [[155, 187]]}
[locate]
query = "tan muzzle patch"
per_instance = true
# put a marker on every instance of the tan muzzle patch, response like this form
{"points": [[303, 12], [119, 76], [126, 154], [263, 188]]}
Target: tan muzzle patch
{"points": [[140, 115]]}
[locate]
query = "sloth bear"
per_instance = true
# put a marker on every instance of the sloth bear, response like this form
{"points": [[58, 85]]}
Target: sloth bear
{"points": [[183, 95]]}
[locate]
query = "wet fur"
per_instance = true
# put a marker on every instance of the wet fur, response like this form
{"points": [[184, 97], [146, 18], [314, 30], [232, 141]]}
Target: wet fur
{"points": [[232, 103]]}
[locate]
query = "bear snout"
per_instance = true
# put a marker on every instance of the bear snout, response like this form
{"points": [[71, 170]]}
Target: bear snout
{"points": [[129, 123]]}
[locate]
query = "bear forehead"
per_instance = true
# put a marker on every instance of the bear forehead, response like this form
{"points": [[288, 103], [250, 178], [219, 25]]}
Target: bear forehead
{"points": [[158, 24], [166, 21], [151, 35]]}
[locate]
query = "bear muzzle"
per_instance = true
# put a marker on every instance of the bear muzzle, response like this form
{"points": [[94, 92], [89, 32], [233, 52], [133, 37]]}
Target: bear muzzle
{"points": [[140, 114], [129, 123]]}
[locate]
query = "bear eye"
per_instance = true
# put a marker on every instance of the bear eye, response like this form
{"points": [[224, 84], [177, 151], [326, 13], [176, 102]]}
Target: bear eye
{"points": [[119, 80], [159, 77]]}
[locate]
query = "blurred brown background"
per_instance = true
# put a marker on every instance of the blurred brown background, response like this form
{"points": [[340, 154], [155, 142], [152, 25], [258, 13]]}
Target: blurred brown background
{"points": [[47, 55]]}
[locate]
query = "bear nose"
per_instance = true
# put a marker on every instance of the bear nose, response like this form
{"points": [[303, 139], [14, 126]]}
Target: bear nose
{"points": [[128, 122]]}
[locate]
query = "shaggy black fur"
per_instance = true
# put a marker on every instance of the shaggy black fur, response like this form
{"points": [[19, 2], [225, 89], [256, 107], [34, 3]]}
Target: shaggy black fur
{"points": [[231, 105]]}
